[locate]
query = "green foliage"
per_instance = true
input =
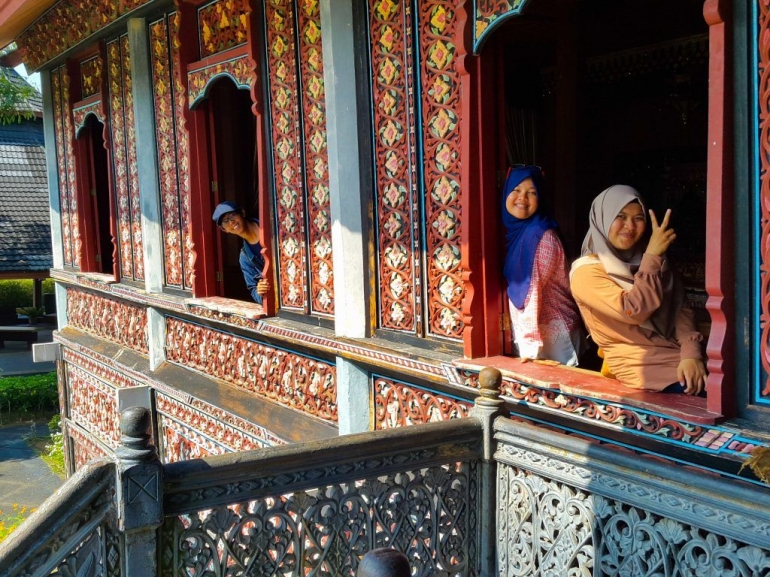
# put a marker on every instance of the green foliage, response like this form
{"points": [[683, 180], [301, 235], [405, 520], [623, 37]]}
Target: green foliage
{"points": [[25, 397], [9, 520], [53, 456], [13, 96], [32, 313], [18, 293]]}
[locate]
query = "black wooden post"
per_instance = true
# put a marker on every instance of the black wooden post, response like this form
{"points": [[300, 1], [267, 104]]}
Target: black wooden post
{"points": [[139, 493]]}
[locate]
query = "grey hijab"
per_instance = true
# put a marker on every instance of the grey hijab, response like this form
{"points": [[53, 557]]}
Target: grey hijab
{"points": [[622, 265]]}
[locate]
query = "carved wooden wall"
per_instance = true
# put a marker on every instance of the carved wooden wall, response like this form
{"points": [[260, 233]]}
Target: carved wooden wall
{"points": [[400, 404], [126, 177], [170, 95], [65, 162], [298, 113], [762, 391]]}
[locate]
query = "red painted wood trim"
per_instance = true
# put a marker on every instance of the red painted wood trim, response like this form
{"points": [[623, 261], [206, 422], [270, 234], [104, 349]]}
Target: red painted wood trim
{"points": [[720, 273], [217, 58], [107, 139], [254, 45], [470, 244]]}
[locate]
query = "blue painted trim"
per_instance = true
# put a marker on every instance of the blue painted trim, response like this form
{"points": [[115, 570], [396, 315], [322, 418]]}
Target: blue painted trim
{"points": [[478, 42], [757, 210], [642, 450], [207, 88]]}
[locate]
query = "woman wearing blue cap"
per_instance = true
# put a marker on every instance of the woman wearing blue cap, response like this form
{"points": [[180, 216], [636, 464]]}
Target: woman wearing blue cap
{"points": [[232, 219], [545, 320]]}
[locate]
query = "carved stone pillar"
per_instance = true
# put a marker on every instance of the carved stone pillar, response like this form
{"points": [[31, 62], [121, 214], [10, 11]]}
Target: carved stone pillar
{"points": [[139, 493]]}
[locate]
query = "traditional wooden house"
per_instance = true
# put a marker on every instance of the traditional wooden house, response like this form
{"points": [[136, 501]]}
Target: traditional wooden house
{"points": [[371, 140]]}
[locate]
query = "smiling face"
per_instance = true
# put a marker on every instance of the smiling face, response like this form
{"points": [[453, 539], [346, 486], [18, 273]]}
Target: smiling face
{"points": [[522, 202], [628, 227], [232, 222]]}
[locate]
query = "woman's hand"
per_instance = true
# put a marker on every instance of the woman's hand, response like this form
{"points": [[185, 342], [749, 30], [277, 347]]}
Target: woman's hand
{"points": [[662, 236], [692, 375], [263, 287]]}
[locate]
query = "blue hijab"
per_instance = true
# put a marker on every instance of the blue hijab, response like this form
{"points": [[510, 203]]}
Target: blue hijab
{"points": [[522, 236]]}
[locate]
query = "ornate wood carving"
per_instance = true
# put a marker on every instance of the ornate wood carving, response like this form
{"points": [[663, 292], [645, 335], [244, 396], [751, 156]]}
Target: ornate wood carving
{"points": [[287, 153], [80, 114], [294, 380], [398, 404], [397, 206], [490, 13], [221, 26], [173, 151], [90, 77], [66, 24], [115, 321], [237, 68]]}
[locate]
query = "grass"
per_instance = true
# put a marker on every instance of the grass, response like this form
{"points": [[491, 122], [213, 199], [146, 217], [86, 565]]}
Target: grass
{"points": [[28, 398], [10, 520]]}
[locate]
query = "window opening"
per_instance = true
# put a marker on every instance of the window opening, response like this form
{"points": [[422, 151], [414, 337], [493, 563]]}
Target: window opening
{"points": [[97, 185], [233, 157], [606, 93]]}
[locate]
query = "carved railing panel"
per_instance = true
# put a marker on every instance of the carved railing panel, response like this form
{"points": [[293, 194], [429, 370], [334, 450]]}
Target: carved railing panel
{"points": [[319, 512], [113, 320], [72, 534], [567, 506], [399, 404]]}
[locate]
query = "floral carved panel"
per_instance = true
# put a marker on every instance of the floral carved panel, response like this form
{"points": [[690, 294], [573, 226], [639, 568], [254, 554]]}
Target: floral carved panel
{"points": [[199, 80], [763, 100], [198, 429], [174, 185], [124, 159], [90, 77], [221, 25], [93, 405], [398, 404], [60, 110], [490, 12], [390, 26], [66, 24], [429, 514], [316, 158], [80, 114], [115, 321], [84, 447], [287, 152], [302, 383], [440, 89]]}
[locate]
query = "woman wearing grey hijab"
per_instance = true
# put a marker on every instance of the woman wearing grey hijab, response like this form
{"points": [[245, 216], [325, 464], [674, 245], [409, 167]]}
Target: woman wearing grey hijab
{"points": [[632, 302]]}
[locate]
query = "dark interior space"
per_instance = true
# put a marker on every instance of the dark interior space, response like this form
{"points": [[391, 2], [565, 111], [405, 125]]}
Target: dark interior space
{"points": [[600, 92], [100, 195], [233, 126]]}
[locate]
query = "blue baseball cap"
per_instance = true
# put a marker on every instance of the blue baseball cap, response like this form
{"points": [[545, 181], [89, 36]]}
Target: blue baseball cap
{"points": [[223, 208]]}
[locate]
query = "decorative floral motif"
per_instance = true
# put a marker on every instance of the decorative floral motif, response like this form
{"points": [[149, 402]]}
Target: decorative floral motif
{"points": [[84, 447], [173, 156], [115, 321], [287, 151], [399, 404], [299, 382], [490, 11], [316, 159], [200, 429], [124, 159], [199, 80], [80, 114], [90, 77], [427, 513], [60, 110], [763, 86], [221, 25], [66, 24], [93, 405], [392, 39], [441, 137]]}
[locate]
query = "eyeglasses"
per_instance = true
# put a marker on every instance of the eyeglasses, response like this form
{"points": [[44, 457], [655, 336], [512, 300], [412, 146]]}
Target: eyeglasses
{"points": [[227, 219]]}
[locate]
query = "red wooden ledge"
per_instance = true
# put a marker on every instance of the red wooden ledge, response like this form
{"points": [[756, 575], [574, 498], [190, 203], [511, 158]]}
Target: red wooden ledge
{"points": [[574, 381]]}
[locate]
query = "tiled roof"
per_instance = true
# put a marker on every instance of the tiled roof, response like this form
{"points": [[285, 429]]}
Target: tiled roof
{"points": [[25, 222], [27, 133]]}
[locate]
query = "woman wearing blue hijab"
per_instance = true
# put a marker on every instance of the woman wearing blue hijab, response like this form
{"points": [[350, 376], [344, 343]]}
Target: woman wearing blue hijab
{"points": [[545, 320]]}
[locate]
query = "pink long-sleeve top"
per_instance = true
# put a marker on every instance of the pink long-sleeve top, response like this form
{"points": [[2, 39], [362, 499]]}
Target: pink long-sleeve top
{"points": [[638, 357]]}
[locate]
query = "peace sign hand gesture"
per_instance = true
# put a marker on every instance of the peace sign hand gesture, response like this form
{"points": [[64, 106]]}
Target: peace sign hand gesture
{"points": [[662, 236]]}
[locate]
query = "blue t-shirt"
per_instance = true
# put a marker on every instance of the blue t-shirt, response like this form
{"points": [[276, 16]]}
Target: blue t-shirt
{"points": [[252, 263]]}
